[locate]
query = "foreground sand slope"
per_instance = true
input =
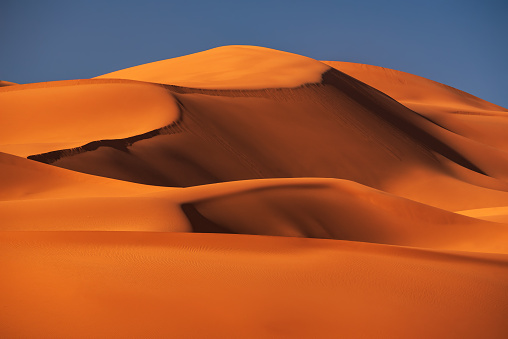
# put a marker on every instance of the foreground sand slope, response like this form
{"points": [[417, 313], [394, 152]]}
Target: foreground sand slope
{"points": [[136, 284]]}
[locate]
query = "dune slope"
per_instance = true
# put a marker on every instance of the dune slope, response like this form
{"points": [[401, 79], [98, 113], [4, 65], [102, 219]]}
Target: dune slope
{"points": [[241, 67], [63, 114], [299, 207], [128, 285], [6, 83], [451, 108]]}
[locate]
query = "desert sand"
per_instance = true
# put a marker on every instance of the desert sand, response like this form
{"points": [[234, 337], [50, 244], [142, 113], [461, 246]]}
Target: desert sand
{"points": [[245, 192], [6, 83]]}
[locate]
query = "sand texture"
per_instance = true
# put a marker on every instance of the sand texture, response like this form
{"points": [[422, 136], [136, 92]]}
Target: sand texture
{"points": [[245, 192]]}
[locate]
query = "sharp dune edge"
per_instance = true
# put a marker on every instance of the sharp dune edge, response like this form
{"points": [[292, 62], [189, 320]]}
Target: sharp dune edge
{"points": [[244, 192]]}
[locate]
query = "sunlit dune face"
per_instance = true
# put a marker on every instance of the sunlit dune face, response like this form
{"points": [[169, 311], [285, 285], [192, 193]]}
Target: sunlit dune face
{"points": [[231, 67], [245, 192], [40, 118]]}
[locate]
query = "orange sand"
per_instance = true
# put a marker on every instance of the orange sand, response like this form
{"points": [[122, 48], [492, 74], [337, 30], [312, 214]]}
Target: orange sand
{"points": [[242, 67], [352, 201], [6, 83]]}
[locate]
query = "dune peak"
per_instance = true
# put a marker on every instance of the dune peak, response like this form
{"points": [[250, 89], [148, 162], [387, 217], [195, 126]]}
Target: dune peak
{"points": [[229, 67]]}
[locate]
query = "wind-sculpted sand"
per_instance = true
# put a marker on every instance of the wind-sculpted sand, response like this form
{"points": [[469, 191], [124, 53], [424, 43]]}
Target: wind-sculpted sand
{"points": [[244, 192]]}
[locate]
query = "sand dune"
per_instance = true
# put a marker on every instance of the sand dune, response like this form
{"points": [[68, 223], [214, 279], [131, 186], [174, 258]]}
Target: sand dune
{"points": [[6, 83], [451, 108], [408, 88], [496, 214], [63, 114], [217, 139], [313, 208], [346, 200], [24, 179], [242, 67]]}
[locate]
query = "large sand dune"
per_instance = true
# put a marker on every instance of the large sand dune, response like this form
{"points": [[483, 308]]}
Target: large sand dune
{"points": [[346, 200]]}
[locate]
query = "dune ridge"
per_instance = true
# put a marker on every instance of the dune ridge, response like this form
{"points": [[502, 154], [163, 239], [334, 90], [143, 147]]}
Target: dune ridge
{"points": [[59, 115], [4, 83], [449, 107], [249, 192], [229, 67]]}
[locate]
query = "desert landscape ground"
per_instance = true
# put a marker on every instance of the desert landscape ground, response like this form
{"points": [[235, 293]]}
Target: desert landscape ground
{"points": [[246, 192]]}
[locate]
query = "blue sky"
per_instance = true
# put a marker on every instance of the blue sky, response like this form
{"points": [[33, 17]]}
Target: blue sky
{"points": [[462, 43]]}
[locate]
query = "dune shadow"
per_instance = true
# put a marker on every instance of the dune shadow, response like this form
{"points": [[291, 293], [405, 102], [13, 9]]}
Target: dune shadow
{"points": [[201, 224]]}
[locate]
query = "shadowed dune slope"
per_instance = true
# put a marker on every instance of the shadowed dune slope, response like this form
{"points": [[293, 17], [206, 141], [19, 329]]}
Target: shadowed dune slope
{"points": [[6, 83], [408, 88], [451, 108], [248, 192], [24, 179]]}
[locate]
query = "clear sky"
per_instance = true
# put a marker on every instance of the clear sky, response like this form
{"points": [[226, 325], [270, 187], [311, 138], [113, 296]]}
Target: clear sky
{"points": [[462, 43]]}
